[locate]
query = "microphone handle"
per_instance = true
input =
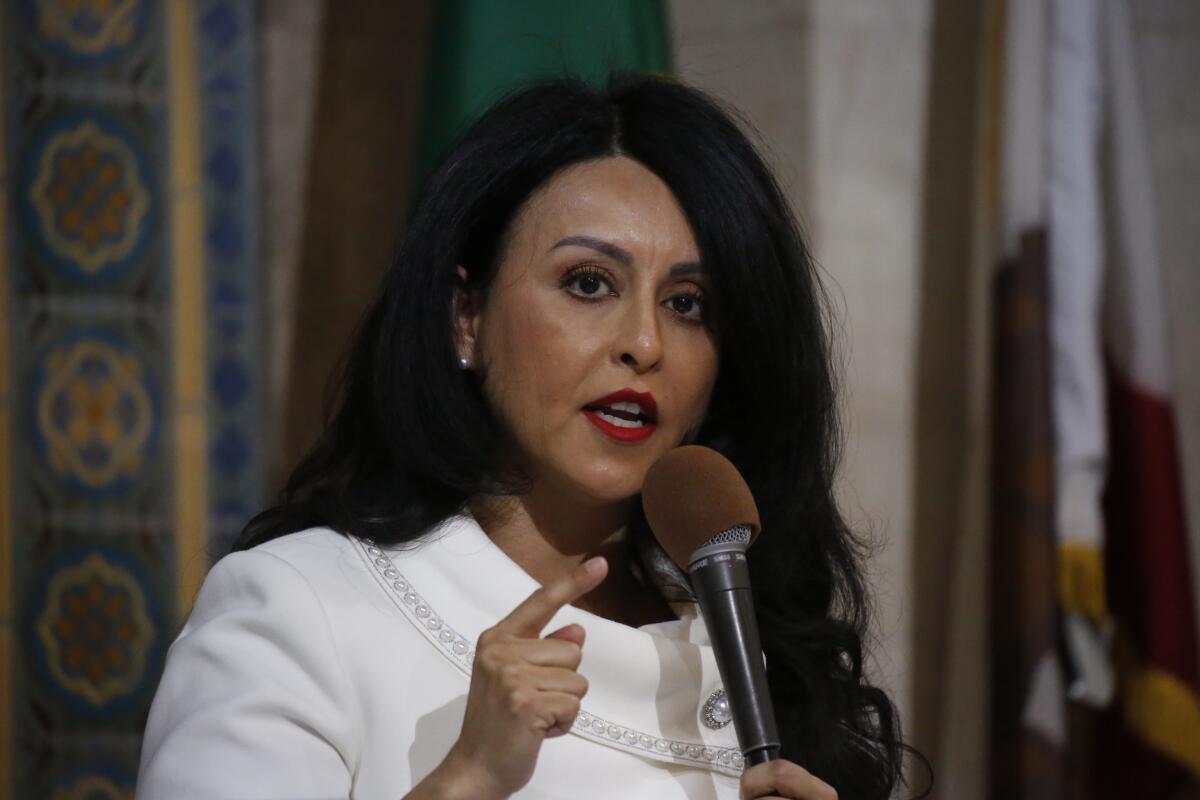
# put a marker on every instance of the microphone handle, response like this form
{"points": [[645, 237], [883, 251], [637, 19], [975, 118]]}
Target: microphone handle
{"points": [[721, 582]]}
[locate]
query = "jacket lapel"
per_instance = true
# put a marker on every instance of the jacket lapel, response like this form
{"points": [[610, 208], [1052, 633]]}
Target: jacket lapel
{"points": [[648, 686]]}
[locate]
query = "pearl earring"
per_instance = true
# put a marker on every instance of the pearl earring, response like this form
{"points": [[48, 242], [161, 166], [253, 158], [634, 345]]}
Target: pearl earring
{"points": [[464, 362]]}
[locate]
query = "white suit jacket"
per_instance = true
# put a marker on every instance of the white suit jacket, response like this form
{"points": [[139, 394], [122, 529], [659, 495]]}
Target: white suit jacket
{"points": [[322, 666]]}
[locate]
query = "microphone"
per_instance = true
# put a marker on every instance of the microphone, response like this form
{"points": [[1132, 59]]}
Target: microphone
{"points": [[703, 515]]}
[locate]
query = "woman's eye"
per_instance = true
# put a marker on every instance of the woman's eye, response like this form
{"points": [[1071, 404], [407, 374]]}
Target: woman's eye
{"points": [[689, 306], [587, 283]]}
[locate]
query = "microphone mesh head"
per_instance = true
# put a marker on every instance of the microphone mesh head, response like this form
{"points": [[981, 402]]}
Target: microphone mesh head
{"points": [[741, 535], [693, 494]]}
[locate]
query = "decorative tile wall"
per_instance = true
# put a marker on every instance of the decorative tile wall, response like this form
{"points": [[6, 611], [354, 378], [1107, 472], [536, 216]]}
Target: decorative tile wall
{"points": [[130, 396]]}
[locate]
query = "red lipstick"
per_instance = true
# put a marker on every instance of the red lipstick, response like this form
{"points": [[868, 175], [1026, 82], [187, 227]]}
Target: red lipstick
{"points": [[624, 415]]}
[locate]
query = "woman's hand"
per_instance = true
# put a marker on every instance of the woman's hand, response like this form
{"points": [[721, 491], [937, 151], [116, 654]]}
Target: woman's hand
{"points": [[784, 779], [524, 690]]}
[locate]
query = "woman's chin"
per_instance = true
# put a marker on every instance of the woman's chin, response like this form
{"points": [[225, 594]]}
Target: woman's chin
{"points": [[603, 490]]}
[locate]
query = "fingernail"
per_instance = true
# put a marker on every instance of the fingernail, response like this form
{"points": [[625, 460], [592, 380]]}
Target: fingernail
{"points": [[594, 566]]}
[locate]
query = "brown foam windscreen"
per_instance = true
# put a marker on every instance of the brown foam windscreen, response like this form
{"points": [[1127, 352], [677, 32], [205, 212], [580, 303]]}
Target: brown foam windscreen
{"points": [[690, 495]]}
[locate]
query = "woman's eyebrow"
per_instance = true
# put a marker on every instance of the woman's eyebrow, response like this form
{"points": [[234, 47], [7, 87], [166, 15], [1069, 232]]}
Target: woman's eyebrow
{"points": [[623, 256], [687, 268], [599, 245]]}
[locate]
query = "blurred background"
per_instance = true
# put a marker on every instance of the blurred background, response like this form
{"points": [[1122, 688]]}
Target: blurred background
{"points": [[200, 195]]}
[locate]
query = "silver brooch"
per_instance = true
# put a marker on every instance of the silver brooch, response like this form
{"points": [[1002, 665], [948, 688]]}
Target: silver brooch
{"points": [[716, 712]]}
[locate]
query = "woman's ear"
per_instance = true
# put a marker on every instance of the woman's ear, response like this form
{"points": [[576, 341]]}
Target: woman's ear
{"points": [[468, 308]]}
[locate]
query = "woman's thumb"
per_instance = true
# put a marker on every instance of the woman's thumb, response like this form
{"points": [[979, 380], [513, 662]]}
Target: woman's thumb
{"points": [[571, 633]]}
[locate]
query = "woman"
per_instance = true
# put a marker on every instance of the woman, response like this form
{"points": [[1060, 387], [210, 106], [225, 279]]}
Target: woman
{"points": [[590, 279]]}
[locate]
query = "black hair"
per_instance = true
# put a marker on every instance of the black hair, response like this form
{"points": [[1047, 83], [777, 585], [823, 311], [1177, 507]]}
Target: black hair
{"points": [[409, 436]]}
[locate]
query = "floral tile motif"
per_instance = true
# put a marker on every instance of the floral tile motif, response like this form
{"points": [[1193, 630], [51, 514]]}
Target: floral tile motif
{"points": [[94, 412], [88, 29], [95, 631], [86, 196], [89, 196]]}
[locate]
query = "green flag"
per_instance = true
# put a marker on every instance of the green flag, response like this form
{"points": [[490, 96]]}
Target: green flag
{"points": [[482, 49]]}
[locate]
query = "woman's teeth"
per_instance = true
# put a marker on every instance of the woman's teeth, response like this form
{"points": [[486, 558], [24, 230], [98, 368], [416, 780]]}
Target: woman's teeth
{"points": [[618, 421], [624, 405]]}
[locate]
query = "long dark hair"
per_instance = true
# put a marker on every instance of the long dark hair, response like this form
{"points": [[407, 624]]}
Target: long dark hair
{"points": [[409, 437]]}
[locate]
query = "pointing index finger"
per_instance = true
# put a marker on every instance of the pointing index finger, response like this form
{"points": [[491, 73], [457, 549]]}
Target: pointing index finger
{"points": [[535, 612]]}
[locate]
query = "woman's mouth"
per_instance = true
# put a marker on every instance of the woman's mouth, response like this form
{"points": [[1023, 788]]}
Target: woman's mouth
{"points": [[626, 415]]}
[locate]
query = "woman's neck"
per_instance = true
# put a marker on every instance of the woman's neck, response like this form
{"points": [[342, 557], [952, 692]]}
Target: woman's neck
{"points": [[546, 537]]}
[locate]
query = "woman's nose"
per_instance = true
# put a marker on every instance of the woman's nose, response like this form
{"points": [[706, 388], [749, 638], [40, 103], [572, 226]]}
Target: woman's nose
{"points": [[639, 342]]}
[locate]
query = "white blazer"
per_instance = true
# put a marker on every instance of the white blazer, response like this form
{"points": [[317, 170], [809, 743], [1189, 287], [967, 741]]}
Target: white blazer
{"points": [[321, 666]]}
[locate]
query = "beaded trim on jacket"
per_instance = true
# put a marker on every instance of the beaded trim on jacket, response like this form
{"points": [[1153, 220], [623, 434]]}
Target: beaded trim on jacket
{"points": [[590, 726]]}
